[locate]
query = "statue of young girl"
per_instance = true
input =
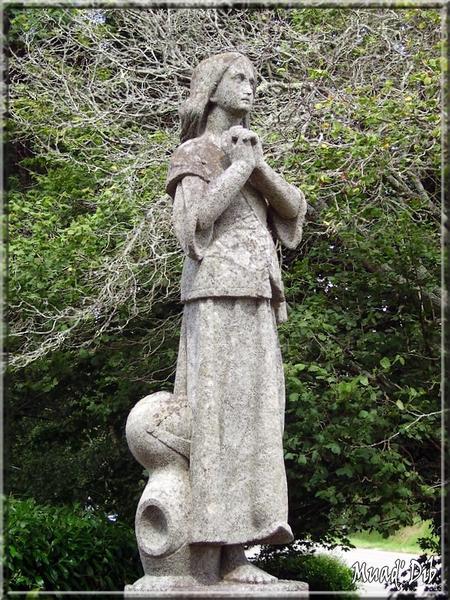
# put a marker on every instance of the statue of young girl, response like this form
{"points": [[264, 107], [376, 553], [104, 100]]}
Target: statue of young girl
{"points": [[228, 206]]}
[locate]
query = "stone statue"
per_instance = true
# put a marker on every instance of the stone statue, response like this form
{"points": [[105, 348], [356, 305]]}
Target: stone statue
{"points": [[214, 448]]}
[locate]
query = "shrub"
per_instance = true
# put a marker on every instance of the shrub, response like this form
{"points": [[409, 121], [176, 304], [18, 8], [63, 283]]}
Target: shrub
{"points": [[66, 548], [322, 572]]}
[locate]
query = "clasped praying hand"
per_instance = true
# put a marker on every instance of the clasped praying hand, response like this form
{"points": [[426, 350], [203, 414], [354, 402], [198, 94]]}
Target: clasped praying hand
{"points": [[243, 145]]}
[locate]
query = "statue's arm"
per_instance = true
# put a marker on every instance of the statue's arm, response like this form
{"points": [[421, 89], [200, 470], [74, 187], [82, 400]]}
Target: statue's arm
{"points": [[237, 146], [284, 198], [287, 203], [219, 193], [198, 204]]}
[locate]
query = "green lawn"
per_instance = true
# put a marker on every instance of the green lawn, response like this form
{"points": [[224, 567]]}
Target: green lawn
{"points": [[405, 540]]}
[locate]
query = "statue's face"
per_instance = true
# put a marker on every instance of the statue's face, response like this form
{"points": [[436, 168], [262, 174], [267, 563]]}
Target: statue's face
{"points": [[235, 91]]}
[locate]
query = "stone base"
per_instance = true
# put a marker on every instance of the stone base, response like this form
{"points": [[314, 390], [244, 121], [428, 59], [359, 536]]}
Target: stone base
{"points": [[180, 591]]}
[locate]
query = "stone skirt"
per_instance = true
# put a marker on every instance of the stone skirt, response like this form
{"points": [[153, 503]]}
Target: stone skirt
{"points": [[230, 371]]}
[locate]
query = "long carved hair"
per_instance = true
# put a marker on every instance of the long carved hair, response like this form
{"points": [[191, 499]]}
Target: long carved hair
{"points": [[205, 79]]}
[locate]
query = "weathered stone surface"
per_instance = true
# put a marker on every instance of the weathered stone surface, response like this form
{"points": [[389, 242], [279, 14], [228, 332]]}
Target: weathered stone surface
{"points": [[158, 432], [279, 589], [214, 448]]}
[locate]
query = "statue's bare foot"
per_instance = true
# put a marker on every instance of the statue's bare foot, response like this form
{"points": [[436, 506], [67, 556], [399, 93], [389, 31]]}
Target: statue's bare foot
{"points": [[236, 567], [249, 574]]}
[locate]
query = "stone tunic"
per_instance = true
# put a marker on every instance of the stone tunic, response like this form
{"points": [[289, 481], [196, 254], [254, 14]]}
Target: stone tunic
{"points": [[236, 255], [229, 366]]}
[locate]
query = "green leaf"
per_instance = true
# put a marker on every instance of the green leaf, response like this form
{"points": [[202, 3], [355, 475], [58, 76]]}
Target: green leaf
{"points": [[345, 470], [385, 363], [334, 447]]}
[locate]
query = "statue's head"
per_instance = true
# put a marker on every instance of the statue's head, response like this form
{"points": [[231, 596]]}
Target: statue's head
{"points": [[226, 79]]}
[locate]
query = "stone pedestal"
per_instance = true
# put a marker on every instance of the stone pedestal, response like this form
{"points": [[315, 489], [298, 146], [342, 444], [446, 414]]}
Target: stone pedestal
{"points": [[279, 589]]}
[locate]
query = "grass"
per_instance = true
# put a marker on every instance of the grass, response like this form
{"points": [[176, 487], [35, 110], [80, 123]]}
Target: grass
{"points": [[404, 540]]}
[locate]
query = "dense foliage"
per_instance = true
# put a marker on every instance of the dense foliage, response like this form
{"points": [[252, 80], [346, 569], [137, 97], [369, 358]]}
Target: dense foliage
{"points": [[348, 109], [322, 572], [66, 549]]}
